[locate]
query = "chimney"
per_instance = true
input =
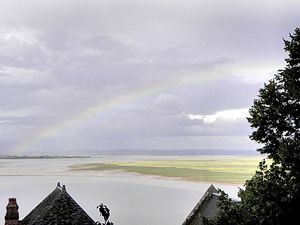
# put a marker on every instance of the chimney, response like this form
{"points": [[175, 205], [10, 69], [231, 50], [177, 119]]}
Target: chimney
{"points": [[12, 213]]}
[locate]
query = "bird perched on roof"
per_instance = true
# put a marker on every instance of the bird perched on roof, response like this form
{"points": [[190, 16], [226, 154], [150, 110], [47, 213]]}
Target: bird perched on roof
{"points": [[104, 211]]}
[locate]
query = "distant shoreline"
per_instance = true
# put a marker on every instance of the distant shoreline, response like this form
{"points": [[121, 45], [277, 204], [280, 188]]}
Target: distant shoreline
{"points": [[40, 157], [173, 152], [138, 152]]}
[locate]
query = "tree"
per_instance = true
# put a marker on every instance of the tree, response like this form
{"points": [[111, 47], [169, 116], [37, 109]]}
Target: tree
{"points": [[275, 114], [272, 195]]}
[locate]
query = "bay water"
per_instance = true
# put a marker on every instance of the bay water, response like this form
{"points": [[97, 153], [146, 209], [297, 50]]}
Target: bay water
{"points": [[133, 199]]}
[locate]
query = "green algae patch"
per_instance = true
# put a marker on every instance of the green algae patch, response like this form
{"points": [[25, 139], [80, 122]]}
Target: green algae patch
{"points": [[235, 170]]}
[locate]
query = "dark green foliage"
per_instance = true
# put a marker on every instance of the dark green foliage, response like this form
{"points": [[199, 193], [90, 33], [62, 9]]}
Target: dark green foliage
{"points": [[229, 212], [272, 195], [269, 196], [275, 114]]}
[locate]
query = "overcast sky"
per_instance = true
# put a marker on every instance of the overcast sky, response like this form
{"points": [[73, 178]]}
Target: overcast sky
{"points": [[109, 74]]}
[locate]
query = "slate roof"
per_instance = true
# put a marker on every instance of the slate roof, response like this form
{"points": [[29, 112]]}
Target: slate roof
{"points": [[206, 207], [58, 208]]}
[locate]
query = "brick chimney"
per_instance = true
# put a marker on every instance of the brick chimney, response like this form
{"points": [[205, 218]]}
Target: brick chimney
{"points": [[12, 213]]}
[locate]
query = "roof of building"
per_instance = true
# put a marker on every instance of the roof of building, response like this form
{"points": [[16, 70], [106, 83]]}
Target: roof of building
{"points": [[206, 207], [58, 208]]}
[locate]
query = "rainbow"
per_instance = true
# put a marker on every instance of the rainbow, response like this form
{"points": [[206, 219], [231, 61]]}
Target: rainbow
{"points": [[115, 102]]}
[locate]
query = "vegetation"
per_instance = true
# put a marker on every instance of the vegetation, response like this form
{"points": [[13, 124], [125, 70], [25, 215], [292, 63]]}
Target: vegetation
{"points": [[225, 169], [272, 195]]}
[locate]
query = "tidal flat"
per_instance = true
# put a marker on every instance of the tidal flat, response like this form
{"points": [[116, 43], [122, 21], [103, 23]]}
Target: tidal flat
{"points": [[232, 170], [133, 198]]}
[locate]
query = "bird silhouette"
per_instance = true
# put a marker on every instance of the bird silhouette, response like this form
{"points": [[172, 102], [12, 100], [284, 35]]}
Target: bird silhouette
{"points": [[104, 212]]}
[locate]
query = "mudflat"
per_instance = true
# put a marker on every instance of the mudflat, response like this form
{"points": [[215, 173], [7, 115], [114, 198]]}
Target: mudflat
{"points": [[227, 169]]}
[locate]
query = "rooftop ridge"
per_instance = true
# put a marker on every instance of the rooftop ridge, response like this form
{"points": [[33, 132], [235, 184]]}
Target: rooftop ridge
{"points": [[211, 191], [58, 208], [44, 204]]}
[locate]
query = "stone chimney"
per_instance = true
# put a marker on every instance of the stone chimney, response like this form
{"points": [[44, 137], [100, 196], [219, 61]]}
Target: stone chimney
{"points": [[12, 212]]}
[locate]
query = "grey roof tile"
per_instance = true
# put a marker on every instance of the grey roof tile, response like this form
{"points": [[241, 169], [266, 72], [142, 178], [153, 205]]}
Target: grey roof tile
{"points": [[58, 208], [206, 207]]}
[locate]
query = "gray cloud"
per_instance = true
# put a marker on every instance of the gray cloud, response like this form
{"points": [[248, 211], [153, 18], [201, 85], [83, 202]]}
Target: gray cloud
{"points": [[124, 74]]}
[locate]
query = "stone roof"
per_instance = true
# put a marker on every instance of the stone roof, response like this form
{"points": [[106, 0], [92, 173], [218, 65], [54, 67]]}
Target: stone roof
{"points": [[206, 207], [58, 208]]}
